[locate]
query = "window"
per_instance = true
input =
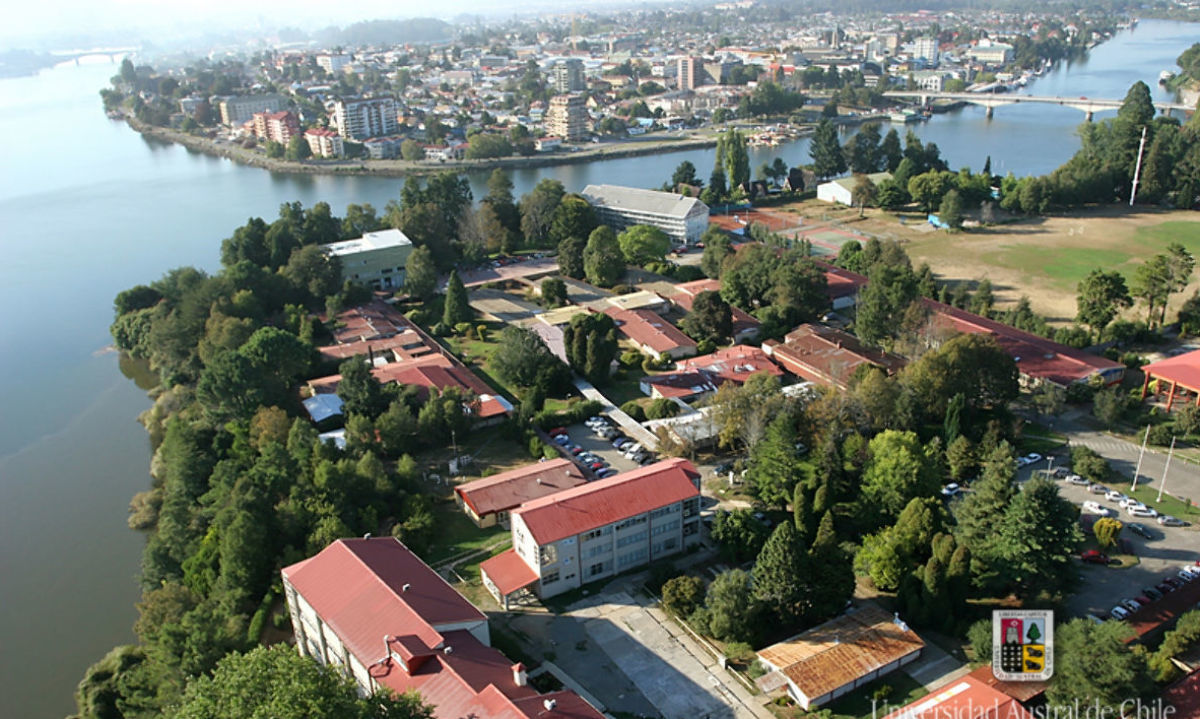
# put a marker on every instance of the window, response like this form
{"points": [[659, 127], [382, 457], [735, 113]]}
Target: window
{"points": [[631, 538], [663, 511], [691, 528], [597, 533], [550, 578], [665, 527], [670, 543], [548, 554], [595, 569]]}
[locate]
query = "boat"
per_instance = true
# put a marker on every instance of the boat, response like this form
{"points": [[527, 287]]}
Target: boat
{"points": [[905, 116]]}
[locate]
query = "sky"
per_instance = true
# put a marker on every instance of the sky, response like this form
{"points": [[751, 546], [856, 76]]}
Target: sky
{"points": [[34, 24]]}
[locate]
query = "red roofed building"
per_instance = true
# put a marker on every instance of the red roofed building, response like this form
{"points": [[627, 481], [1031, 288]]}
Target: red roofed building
{"points": [[1174, 374], [827, 356], [597, 530], [733, 364], [1184, 697], [488, 501], [842, 285], [745, 326], [373, 609], [679, 385], [1038, 359], [651, 333], [963, 698], [278, 127]]}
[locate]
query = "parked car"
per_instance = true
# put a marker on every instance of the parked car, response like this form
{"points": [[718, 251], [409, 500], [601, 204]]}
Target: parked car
{"points": [[1192, 572], [1138, 529], [575, 449], [723, 468], [597, 466], [557, 431], [951, 490], [1130, 605], [1164, 587], [606, 473], [1095, 508], [562, 440], [1167, 520], [1153, 593], [1119, 612], [1076, 479], [1092, 556], [1173, 582], [1141, 511], [1098, 489], [1059, 473], [1143, 600], [622, 442], [1032, 458], [1186, 576], [1023, 462], [1114, 496], [1129, 502]]}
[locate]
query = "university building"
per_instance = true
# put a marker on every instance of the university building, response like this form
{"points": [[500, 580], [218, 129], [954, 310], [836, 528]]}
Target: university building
{"points": [[360, 119], [684, 219], [377, 259]]}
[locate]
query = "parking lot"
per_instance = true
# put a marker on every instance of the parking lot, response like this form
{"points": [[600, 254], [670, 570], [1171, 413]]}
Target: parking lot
{"points": [[586, 438]]}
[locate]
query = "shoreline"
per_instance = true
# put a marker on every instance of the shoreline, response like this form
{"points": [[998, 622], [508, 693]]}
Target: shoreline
{"points": [[403, 168]]}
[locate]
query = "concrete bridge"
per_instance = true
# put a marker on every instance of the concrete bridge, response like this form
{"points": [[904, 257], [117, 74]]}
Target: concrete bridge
{"points": [[112, 53], [1089, 105]]}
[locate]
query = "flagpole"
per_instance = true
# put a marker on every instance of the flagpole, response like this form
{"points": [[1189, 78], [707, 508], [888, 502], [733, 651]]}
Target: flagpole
{"points": [[1141, 454]]}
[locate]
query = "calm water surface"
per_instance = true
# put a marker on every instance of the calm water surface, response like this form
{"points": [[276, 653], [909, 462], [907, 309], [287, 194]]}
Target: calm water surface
{"points": [[88, 208]]}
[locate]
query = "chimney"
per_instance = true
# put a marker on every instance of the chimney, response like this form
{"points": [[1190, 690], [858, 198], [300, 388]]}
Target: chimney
{"points": [[367, 535], [549, 704], [519, 676], [448, 650], [405, 588]]}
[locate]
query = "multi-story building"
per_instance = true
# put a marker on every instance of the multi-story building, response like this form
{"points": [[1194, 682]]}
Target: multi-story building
{"points": [[684, 219], [567, 117], [597, 530], [488, 501], [567, 76], [992, 53], [377, 259], [333, 63], [325, 143], [926, 48], [363, 118], [689, 71], [373, 611], [278, 127], [240, 109]]}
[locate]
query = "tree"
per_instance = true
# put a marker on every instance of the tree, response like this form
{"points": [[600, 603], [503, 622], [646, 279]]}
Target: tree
{"points": [[890, 150], [591, 345], [298, 149], [682, 595], [1100, 296], [537, 212], [774, 468], [603, 261], [1107, 530], [865, 192], [457, 308], [710, 318], [780, 574], [863, 153], [685, 174], [826, 151], [1038, 536], [827, 560], [898, 470], [951, 209], [731, 607], [642, 244], [731, 149], [554, 292], [412, 151], [1093, 665], [573, 217], [420, 274], [359, 390], [930, 187], [521, 357], [278, 682], [500, 198], [739, 534], [1152, 282], [275, 150], [717, 247]]}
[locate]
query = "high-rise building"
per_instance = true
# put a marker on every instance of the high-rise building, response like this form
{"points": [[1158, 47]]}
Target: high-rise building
{"points": [[359, 119], [927, 48], [567, 76], [690, 72], [278, 127], [325, 143], [567, 117], [333, 63]]}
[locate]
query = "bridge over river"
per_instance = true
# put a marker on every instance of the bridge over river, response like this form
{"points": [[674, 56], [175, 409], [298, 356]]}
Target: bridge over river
{"points": [[1089, 105]]}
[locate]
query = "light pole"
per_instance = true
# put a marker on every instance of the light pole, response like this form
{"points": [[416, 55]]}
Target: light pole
{"points": [[1163, 482], [1141, 454]]}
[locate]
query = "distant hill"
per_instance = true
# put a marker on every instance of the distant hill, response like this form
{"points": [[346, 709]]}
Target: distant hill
{"points": [[387, 32], [16, 63]]}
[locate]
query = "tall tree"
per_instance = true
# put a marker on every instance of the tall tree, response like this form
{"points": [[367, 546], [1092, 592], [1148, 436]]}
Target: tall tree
{"points": [[685, 174], [828, 562], [500, 197], [898, 470], [420, 274], [731, 607], [1093, 665], [573, 217], [891, 151], [710, 318], [774, 468], [1039, 536], [570, 257], [457, 308], [603, 262], [865, 192], [642, 244], [537, 212], [863, 153], [1152, 283], [950, 211], [731, 147], [781, 575], [826, 151], [1100, 296]]}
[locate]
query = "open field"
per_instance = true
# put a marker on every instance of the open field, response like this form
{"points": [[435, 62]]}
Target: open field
{"points": [[1043, 258]]}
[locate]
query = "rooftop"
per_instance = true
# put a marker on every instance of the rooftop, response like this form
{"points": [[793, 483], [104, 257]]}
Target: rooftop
{"points": [[647, 328], [1184, 369], [379, 240], [733, 364], [835, 653], [963, 698], [605, 501], [510, 489], [1184, 696], [650, 201], [827, 355]]}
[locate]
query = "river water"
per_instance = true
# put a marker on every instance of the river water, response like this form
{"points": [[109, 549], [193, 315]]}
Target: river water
{"points": [[88, 207]]}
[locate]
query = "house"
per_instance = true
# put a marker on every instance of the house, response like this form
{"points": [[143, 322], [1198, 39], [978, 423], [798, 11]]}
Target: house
{"points": [[684, 219], [322, 407], [597, 530], [745, 326], [377, 259], [827, 356], [1038, 359], [684, 385], [373, 611], [651, 333], [488, 501], [842, 189], [733, 364], [1179, 374], [547, 144], [640, 300], [842, 285], [966, 698], [835, 658]]}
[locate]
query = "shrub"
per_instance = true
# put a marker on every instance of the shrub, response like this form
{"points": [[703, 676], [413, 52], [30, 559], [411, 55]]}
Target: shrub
{"points": [[464, 329], [1107, 530], [1160, 434], [706, 346], [699, 620], [1079, 393], [572, 415], [739, 652], [441, 329], [687, 273], [1088, 464], [979, 636], [682, 595], [624, 289], [1132, 360], [481, 331], [666, 269], [634, 410], [756, 669], [662, 408], [631, 358]]}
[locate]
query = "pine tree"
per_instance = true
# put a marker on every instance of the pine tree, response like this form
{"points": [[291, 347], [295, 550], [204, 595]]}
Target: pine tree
{"points": [[826, 151], [774, 468], [802, 515], [457, 309], [831, 572], [781, 572], [981, 509]]}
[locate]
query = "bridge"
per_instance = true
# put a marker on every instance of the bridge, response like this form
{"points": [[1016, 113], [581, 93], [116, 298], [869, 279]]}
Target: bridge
{"points": [[112, 53], [1089, 105]]}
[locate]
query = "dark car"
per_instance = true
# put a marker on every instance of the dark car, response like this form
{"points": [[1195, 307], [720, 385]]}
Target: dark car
{"points": [[1153, 593], [1092, 556], [557, 431], [1138, 529], [1164, 587], [1142, 599], [577, 450], [597, 466], [1172, 582]]}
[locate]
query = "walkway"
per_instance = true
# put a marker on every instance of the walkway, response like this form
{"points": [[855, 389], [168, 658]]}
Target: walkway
{"points": [[629, 424]]}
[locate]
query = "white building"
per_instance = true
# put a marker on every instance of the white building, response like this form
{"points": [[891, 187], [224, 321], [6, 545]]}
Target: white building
{"points": [[597, 530], [683, 218], [333, 64], [238, 110], [992, 53], [359, 119], [377, 259], [325, 143], [841, 190]]}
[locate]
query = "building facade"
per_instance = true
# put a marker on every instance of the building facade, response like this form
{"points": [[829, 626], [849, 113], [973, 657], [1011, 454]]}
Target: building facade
{"points": [[597, 530], [684, 219], [278, 127], [567, 76], [689, 72], [360, 119], [333, 64], [567, 117], [325, 143], [239, 110], [377, 259]]}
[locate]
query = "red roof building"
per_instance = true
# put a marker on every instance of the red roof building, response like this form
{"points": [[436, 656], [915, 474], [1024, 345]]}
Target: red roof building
{"points": [[842, 285], [488, 501], [827, 356], [733, 364], [745, 326], [963, 698], [373, 609], [1184, 697], [278, 127], [651, 333], [684, 386], [1174, 374], [1038, 359], [597, 530]]}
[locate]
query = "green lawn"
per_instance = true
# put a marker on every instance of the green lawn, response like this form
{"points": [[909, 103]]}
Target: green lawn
{"points": [[623, 390], [457, 534], [1148, 495], [1036, 438]]}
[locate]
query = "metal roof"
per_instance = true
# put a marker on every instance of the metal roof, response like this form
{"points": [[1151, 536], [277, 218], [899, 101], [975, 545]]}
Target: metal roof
{"points": [[650, 201]]}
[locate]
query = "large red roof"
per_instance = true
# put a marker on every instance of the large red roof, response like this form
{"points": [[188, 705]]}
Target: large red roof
{"points": [[1184, 696], [1035, 356], [510, 489], [1184, 369], [733, 364], [605, 501], [508, 572], [647, 328], [827, 355], [963, 698], [840, 282]]}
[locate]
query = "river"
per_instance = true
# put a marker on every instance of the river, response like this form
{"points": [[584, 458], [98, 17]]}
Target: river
{"points": [[89, 207]]}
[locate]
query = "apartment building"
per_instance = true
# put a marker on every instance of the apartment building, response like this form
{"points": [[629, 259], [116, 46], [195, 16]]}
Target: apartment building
{"points": [[597, 530], [372, 610], [333, 64], [278, 127], [567, 117], [689, 72], [377, 259], [684, 219], [325, 143], [360, 119], [567, 76], [239, 109]]}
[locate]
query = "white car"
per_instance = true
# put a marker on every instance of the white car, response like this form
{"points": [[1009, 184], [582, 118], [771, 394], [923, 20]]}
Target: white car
{"points": [[1098, 489], [1114, 496], [951, 490], [1127, 502], [1192, 572], [1119, 612], [1141, 511], [1167, 520], [1095, 508], [1033, 458], [1076, 479]]}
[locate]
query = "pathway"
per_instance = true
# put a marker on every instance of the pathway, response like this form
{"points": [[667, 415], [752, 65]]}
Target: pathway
{"points": [[631, 426]]}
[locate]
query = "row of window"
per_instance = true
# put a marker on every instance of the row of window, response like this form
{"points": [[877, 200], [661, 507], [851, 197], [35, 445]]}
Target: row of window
{"points": [[597, 533], [665, 546], [663, 511], [631, 539], [635, 557], [640, 519], [671, 526]]}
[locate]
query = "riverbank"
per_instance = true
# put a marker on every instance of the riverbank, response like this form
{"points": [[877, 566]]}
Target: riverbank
{"points": [[403, 168]]}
